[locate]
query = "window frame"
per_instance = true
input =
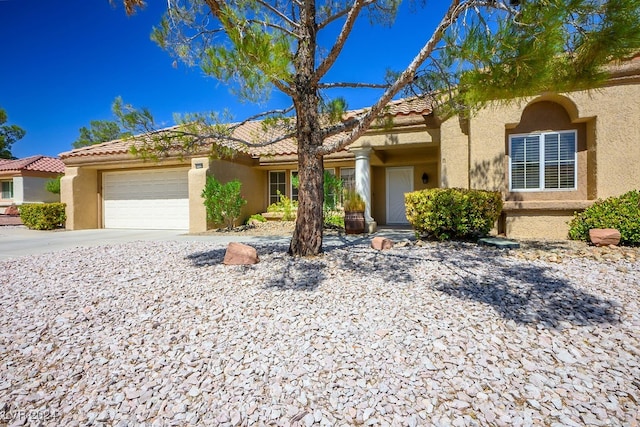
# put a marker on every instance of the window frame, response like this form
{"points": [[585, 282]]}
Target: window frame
{"points": [[542, 161], [11, 190], [284, 184], [294, 191]]}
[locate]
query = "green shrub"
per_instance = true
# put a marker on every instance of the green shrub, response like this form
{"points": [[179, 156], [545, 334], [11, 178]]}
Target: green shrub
{"points": [[621, 213], [223, 201], [43, 216], [334, 219], [256, 217], [287, 207], [452, 213], [53, 185]]}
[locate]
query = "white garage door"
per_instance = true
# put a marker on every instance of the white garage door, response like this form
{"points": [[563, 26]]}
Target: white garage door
{"points": [[156, 199]]}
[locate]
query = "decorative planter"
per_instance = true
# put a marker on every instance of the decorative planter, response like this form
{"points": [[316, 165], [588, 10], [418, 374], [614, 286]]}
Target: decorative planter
{"points": [[354, 222]]}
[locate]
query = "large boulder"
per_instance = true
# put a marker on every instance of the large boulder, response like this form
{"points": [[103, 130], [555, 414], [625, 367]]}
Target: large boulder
{"points": [[604, 236], [381, 243], [240, 254], [12, 210]]}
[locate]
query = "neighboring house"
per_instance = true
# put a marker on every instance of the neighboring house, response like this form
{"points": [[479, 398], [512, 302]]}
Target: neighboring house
{"points": [[23, 180], [550, 155]]}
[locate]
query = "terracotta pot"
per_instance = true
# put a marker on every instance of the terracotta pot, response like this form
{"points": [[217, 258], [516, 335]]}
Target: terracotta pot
{"points": [[354, 222]]}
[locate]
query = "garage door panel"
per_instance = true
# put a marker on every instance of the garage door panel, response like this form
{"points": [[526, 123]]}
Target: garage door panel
{"points": [[146, 199]]}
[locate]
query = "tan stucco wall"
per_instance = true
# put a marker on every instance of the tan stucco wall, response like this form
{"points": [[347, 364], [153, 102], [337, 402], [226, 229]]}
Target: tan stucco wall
{"points": [[197, 178], [538, 225], [79, 190], [617, 136], [254, 184], [454, 154], [608, 124]]}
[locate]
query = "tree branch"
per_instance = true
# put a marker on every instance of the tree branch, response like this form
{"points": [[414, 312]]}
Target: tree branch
{"points": [[340, 14], [363, 122], [353, 85], [278, 13], [258, 116], [328, 62]]}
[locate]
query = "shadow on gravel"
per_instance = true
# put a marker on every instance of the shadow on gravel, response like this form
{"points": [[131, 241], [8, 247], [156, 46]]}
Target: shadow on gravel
{"points": [[524, 293], [207, 258]]}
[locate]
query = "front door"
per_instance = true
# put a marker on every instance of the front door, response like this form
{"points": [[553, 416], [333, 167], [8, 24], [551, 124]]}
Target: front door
{"points": [[399, 182]]}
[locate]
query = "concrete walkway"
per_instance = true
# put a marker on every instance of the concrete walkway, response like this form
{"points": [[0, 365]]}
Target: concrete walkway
{"points": [[16, 241]]}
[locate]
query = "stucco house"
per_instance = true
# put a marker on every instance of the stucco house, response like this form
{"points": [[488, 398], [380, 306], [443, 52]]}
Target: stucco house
{"points": [[550, 155], [23, 180]]}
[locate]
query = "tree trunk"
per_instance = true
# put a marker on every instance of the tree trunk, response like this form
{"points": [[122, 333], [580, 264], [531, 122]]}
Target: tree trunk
{"points": [[307, 236]]}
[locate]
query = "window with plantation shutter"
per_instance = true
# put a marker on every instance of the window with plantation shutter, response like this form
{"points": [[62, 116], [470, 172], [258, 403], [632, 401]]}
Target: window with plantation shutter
{"points": [[545, 161]]}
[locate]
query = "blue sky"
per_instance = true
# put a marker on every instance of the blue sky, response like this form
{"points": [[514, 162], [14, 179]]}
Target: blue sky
{"points": [[64, 62]]}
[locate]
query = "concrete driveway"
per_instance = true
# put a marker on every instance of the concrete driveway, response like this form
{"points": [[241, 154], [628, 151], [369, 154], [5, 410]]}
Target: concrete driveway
{"points": [[18, 241]]}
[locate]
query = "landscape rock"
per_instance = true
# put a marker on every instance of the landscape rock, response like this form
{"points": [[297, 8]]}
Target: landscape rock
{"points": [[446, 333], [604, 236], [240, 254], [381, 243], [11, 210]]}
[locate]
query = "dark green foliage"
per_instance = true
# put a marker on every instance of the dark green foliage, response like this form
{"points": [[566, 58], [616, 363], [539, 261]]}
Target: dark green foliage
{"points": [[223, 202], [621, 213], [43, 216], [8, 135], [453, 213], [99, 131], [53, 185], [549, 45]]}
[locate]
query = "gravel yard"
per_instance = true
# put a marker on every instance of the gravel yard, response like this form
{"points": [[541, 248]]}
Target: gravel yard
{"points": [[161, 333]]}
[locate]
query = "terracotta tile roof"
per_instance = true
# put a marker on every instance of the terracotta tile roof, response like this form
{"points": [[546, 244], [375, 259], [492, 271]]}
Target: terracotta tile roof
{"points": [[252, 132], [34, 163], [402, 107]]}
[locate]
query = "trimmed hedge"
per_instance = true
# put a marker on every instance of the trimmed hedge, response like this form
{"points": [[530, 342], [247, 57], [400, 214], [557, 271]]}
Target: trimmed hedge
{"points": [[43, 216], [453, 213], [621, 213]]}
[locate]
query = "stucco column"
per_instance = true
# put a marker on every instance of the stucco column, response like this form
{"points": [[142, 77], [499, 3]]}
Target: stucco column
{"points": [[363, 183], [197, 180], [79, 190]]}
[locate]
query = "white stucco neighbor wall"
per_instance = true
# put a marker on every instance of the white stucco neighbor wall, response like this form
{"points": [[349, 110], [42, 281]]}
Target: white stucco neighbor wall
{"points": [[18, 190], [32, 190]]}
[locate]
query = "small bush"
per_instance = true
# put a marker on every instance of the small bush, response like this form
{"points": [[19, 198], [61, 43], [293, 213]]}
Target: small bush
{"points": [[53, 185], [334, 219], [223, 201], [621, 213], [287, 207], [256, 217], [43, 216], [452, 213]]}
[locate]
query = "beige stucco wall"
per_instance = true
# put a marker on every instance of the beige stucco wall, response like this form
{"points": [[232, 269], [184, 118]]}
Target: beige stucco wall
{"points": [[454, 154], [254, 184], [538, 225], [617, 136], [197, 178], [608, 125], [79, 190]]}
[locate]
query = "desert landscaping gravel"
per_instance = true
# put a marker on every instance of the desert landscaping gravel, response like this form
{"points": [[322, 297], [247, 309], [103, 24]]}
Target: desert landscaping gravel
{"points": [[161, 333]]}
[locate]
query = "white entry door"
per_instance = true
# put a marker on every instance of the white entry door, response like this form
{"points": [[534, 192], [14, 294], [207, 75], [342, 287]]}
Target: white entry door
{"points": [[399, 182]]}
